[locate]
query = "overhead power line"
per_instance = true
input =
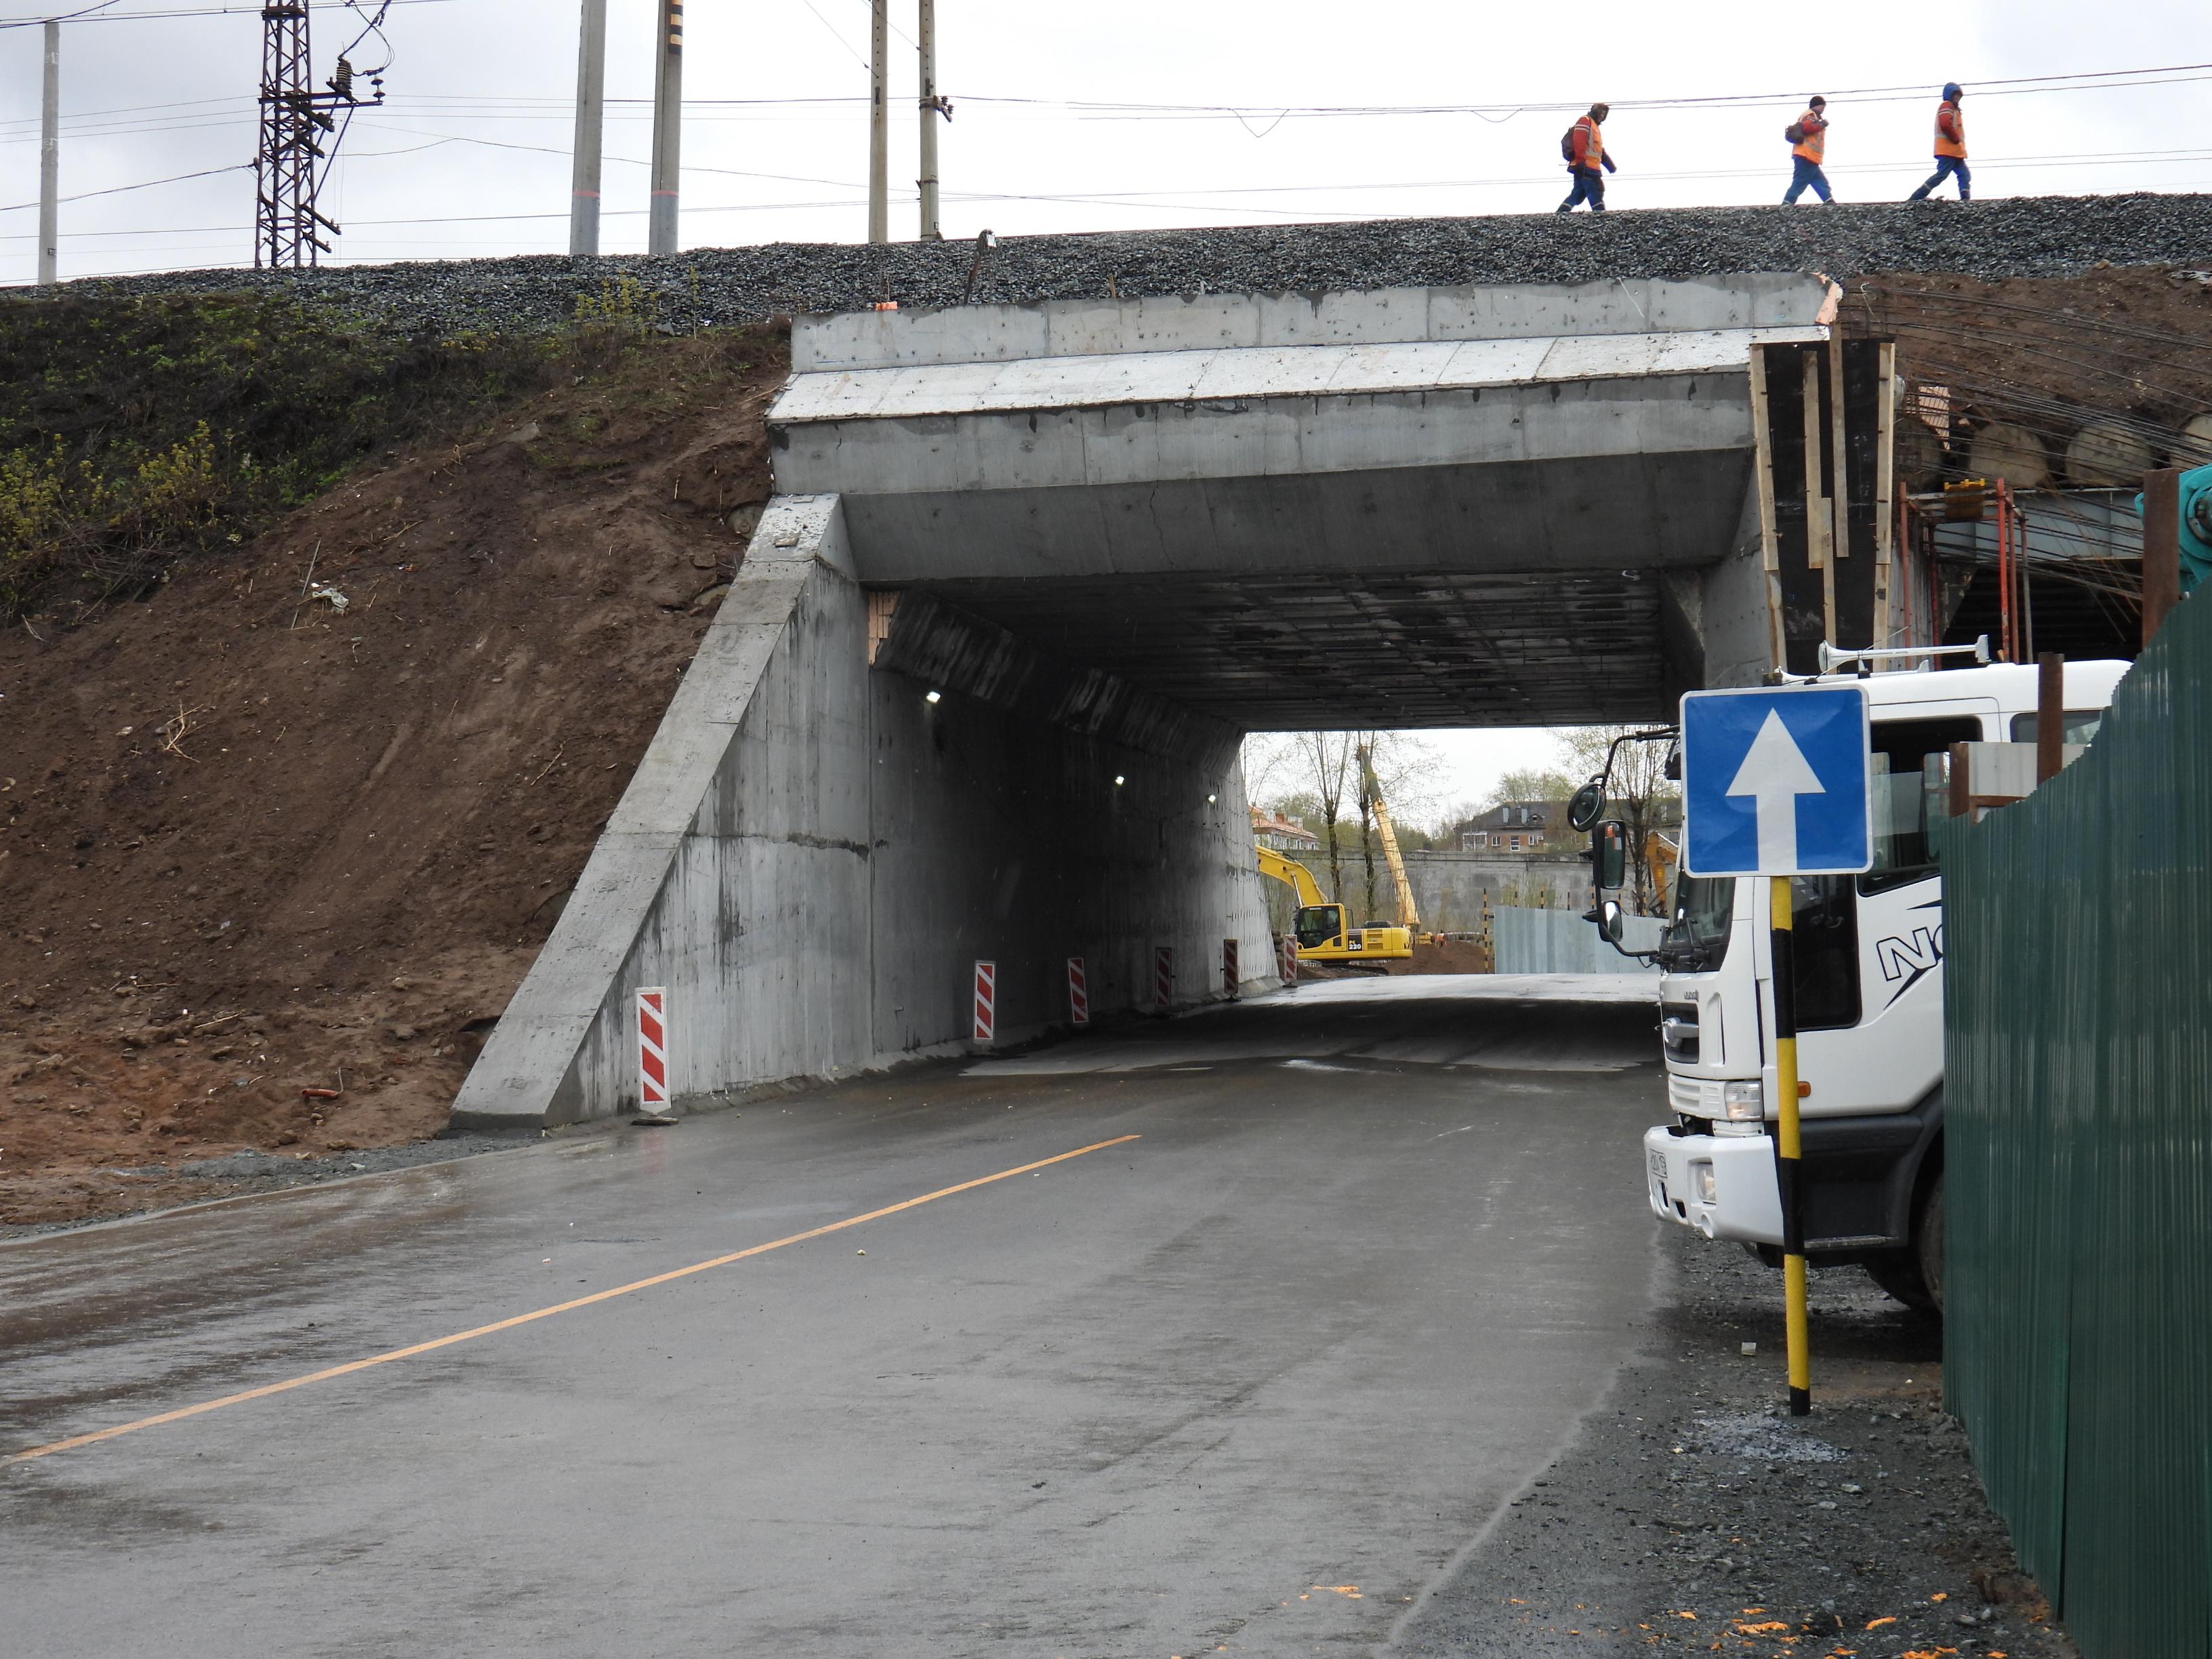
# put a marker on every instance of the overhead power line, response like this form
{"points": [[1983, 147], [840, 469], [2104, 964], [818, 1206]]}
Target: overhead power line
{"points": [[96, 15], [1143, 197], [2087, 81]]}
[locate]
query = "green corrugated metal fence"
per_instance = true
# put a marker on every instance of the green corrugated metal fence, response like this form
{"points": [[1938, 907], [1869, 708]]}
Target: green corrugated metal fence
{"points": [[2078, 1337]]}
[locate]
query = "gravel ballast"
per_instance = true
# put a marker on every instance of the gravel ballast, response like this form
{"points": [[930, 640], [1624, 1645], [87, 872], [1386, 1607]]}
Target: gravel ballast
{"points": [[2024, 236]]}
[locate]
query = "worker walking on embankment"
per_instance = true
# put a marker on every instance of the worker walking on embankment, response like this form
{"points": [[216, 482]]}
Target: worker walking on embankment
{"points": [[1809, 143], [1583, 147], [1950, 147]]}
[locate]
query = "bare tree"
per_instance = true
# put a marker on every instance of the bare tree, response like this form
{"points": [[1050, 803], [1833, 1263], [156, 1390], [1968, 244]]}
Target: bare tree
{"points": [[1272, 768], [1320, 772], [1548, 783], [1326, 766], [1362, 743]]}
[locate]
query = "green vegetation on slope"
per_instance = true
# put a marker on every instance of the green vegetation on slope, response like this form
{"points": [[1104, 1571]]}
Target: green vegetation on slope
{"points": [[135, 432]]}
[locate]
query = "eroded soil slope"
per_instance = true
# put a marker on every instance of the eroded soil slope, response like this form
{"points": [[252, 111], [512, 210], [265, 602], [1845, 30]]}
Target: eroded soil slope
{"points": [[254, 845]]}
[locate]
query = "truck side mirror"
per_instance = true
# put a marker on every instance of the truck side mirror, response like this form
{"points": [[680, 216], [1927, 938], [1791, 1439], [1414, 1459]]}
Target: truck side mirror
{"points": [[1609, 855], [1589, 801], [1610, 920]]}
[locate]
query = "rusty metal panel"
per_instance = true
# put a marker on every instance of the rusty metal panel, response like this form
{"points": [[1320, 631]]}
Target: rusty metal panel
{"points": [[2078, 1341]]}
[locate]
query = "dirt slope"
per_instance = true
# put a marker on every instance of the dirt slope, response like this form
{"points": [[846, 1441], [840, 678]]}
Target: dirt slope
{"points": [[252, 845]]}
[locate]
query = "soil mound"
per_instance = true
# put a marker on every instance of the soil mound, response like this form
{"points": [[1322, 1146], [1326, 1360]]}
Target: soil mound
{"points": [[278, 841]]}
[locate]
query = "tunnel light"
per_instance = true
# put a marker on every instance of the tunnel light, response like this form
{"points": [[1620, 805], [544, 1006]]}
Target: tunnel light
{"points": [[932, 697], [1210, 799], [1117, 780]]}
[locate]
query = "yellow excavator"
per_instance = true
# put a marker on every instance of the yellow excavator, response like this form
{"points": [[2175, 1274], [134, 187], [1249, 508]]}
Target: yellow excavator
{"points": [[1322, 932]]}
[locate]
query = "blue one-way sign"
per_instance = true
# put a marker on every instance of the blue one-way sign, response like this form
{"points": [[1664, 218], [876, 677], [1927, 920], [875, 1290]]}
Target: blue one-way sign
{"points": [[1774, 782]]}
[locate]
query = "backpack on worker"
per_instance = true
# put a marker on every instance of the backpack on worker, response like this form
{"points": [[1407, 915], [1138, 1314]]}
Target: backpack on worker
{"points": [[1794, 133], [1567, 145]]}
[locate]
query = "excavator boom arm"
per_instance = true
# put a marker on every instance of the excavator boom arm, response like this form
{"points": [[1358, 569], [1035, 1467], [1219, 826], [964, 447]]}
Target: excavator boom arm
{"points": [[1409, 915], [1272, 863]]}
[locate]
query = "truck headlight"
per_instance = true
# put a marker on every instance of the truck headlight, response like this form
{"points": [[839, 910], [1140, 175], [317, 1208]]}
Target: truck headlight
{"points": [[1743, 1102], [1701, 1180]]}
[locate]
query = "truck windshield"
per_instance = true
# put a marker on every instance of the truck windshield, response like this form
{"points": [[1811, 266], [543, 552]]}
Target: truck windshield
{"points": [[1696, 939], [1316, 925]]}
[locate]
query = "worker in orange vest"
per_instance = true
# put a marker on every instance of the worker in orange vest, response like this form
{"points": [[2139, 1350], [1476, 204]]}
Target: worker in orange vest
{"points": [[1583, 147], [1950, 147], [1808, 141]]}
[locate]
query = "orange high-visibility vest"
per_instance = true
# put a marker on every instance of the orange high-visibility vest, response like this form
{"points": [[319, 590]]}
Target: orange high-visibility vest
{"points": [[1814, 143], [1593, 144], [1950, 131]]}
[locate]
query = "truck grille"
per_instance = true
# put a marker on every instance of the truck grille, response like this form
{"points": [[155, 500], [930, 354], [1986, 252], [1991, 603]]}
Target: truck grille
{"points": [[1692, 1096]]}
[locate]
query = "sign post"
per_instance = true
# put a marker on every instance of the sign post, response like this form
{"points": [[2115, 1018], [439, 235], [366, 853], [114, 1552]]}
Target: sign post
{"points": [[1776, 783]]}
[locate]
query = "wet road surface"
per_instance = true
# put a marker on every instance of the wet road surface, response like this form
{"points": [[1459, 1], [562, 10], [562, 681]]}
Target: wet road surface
{"points": [[1249, 1381]]}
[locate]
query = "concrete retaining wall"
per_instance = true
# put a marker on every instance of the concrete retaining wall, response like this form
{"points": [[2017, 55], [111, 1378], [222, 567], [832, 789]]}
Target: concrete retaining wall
{"points": [[811, 856], [1561, 942], [1450, 888]]}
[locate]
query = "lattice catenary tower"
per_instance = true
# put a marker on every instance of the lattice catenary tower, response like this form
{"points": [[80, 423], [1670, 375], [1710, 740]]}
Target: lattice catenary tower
{"points": [[294, 121]]}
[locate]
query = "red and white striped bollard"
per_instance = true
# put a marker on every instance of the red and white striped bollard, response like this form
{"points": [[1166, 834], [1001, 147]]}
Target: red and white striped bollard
{"points": [[987, 999], [653, 1055], [1078, 992]]}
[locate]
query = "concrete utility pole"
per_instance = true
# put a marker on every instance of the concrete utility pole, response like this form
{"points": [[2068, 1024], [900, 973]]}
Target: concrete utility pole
{"points": [[932, 107], [879, 124], [49, 161], [590, 126], [667, 123]]}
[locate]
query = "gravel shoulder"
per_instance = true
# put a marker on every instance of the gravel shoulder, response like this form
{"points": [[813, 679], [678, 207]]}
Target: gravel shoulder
{"points": [[1688, 1516]]}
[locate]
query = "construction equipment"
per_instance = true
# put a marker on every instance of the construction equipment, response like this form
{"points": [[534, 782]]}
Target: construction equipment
{"points": [[1409, 915], [1320, 927], [2195, 491]]}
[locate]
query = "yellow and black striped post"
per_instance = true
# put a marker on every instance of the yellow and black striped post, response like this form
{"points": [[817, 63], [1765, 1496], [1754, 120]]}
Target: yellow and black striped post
{"points": [[1789, 1150]]}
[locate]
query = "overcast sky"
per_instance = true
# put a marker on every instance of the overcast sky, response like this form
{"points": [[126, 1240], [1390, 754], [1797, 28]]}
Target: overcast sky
{"points": [[470, 155]]}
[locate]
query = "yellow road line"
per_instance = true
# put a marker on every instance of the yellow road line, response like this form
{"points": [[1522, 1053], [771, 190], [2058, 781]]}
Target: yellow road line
{"points": [[409, 1352]]}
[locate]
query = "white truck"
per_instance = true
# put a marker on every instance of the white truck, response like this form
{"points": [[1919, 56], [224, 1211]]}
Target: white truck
{"points": [[1869, 983]]}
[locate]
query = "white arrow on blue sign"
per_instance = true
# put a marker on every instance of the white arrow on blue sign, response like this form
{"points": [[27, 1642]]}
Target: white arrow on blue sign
{"points": [[1775, 781]]}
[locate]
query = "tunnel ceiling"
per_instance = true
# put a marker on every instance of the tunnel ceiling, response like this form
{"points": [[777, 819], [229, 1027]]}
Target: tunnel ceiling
{"points": [[1381, 651]]}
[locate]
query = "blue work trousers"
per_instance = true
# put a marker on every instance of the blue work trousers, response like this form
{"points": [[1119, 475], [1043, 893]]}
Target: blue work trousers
{"points": [[1948, 167], [1807, 172], [1590, 187]]}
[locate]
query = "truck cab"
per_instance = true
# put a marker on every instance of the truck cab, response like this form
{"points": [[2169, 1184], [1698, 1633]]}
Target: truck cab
{"points": [[1325, 934], [1869, 1005]]}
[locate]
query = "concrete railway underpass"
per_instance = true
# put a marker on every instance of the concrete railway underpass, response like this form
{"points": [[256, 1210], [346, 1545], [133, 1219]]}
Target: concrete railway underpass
{"points": [[1033, 571]]}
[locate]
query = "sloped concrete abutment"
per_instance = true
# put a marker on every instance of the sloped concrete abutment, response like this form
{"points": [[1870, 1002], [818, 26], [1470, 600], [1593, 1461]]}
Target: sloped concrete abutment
{"points": [[814, 852]]}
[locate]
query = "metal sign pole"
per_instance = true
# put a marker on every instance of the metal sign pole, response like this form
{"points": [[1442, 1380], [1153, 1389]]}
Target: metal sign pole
{"points": [[1789, 1148], [1778, 783]]}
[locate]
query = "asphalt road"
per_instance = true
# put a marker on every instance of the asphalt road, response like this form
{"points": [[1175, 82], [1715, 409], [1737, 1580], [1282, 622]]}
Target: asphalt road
{"points": [[1337, 1278]]}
